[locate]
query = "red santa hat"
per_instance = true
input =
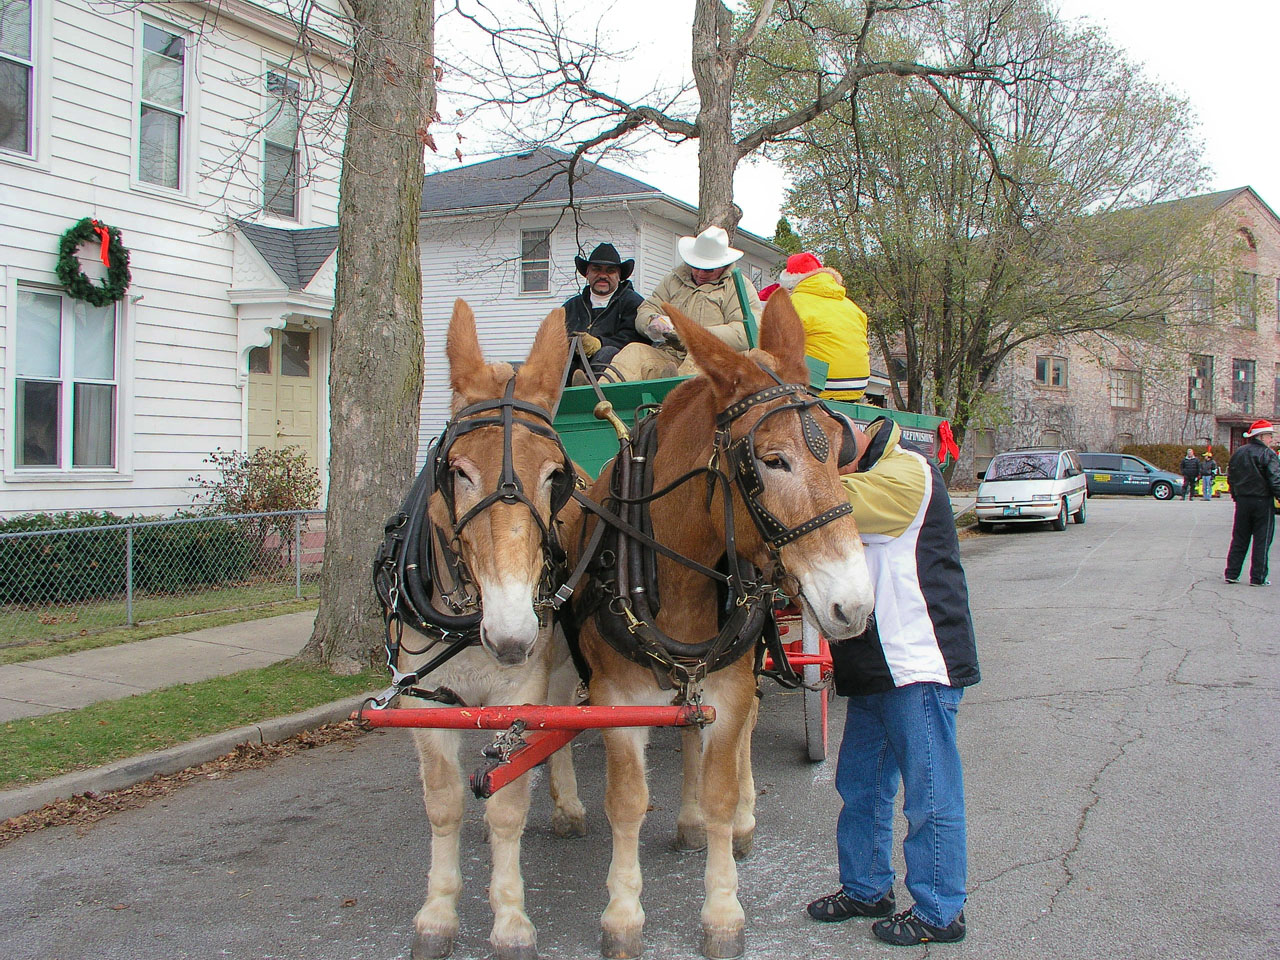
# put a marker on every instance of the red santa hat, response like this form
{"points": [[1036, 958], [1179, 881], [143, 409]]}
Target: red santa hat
{"points": [[768, 291], [1257, 427], [799, 266]]}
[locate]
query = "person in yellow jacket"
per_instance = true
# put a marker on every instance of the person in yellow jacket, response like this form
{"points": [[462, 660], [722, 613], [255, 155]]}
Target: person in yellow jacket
{"points": [[835, 328]]}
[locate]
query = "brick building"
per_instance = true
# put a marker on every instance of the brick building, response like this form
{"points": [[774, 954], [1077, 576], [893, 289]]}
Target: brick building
{"points": [[1218, 370]]}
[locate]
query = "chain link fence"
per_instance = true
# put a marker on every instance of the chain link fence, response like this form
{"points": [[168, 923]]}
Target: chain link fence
{"points": [[56, 583]]}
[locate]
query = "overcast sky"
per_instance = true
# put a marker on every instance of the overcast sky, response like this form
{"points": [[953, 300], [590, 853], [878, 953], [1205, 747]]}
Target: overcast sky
{"points": [[1222, 56]]}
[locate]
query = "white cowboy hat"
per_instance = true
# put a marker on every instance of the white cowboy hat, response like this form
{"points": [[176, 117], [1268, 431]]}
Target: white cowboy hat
{"points": [[708, 250]]}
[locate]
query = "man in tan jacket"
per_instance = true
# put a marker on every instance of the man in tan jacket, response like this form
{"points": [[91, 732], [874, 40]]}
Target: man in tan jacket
{"points": [[702, 289]]}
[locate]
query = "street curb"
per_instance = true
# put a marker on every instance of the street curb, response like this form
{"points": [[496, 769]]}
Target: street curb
{"points": [[133, 770]]}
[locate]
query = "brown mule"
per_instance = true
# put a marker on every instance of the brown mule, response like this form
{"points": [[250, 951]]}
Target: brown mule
{"points": [[518, 660], [826, 566]]}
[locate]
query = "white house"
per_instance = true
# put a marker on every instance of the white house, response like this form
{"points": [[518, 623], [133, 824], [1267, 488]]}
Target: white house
{"points": [[170, 122]]}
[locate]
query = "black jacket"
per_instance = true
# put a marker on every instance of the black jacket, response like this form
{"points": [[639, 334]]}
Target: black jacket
{"points": [[1254, 471], [1191, 467], [1209, 467], [614, 327]]}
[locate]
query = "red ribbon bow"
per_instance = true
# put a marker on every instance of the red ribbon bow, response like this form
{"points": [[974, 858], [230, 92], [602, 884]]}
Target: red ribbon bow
{"points": [[105, 234], [947, 443]]}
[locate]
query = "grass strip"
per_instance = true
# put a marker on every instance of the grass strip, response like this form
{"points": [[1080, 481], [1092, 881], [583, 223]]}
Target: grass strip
{"points": [[37, 748], [39, 649]]}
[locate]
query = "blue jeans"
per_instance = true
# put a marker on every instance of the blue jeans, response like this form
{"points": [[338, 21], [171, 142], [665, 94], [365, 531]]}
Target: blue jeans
{"points": [[1207, 484], [907, 735]]}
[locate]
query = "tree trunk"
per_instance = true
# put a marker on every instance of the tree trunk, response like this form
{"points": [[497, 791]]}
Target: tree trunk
{"points": [[375, 379], [714, 64]]}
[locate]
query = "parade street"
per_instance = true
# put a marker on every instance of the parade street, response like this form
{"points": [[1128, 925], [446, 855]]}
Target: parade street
{"points": [[1121, 771]]}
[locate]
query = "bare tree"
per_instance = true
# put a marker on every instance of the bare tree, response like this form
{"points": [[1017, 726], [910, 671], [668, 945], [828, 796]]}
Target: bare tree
{"points": [[972, 218], [559, 85], [376, 368]]}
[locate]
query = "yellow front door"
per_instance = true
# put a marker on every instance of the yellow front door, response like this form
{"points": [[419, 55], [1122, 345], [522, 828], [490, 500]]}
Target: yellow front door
{"points": [[283, 386]]}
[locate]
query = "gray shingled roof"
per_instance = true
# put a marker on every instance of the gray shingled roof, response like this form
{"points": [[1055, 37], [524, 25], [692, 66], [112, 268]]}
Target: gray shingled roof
{"points": [[295, 255], [538, 175]]}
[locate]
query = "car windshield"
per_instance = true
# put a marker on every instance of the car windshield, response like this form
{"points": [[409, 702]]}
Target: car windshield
{"points": [[1023, 466]]}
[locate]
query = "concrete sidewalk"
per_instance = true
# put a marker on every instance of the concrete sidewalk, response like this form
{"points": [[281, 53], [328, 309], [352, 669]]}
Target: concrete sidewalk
{"points": [[109, 673]]}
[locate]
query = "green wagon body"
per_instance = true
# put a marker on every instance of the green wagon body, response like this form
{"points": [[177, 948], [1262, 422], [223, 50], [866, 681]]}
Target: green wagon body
{"points": [[592, 443]]}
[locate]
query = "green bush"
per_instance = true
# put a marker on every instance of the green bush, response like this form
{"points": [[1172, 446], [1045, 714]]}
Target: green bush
{"points": [[90, 565], [1168, 456]]}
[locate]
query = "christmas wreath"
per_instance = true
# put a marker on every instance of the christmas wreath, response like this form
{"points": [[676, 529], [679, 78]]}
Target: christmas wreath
{"points": [[114, 256]]}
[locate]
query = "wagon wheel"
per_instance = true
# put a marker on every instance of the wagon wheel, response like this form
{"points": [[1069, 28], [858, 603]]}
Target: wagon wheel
{"points": [[815, 700]]}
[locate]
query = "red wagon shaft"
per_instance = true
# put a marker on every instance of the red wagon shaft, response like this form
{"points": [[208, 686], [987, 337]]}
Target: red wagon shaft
{"points": [[540, 717]]}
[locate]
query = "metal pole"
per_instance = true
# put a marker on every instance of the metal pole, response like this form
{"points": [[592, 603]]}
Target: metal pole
{"points": [[297, 555], [128, 574]]}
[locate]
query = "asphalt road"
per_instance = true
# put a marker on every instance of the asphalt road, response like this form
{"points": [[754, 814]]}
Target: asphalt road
{"points": [[1121, 765]]}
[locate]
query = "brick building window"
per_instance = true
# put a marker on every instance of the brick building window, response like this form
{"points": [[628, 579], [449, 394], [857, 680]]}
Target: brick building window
{"points": [[1051, 438], [535, 261], [1051, 371], [1202, 298], [1246, 299], [1242, 377], [1277, 304], [1275, 396], [1126, 389], [1200, 384]]}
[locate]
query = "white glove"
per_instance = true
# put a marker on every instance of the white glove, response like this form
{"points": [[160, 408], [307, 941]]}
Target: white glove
{"points": [[659, 329]]}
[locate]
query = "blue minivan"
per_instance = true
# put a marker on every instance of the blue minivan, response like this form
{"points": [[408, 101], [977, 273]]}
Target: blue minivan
{"points": [[1125, 473]]}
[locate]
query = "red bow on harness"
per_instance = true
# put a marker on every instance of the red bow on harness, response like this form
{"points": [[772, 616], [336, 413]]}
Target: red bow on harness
{"points": [[947, 443], [105, 234]]}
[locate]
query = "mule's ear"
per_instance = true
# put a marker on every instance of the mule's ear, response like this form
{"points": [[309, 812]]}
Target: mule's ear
{"points": [[470, 378], [538, 379], [720, 363], [782, 336]]}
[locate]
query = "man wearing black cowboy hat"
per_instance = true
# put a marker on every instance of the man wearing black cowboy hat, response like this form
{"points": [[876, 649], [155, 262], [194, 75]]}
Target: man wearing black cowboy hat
{"points": [[604, 313]]}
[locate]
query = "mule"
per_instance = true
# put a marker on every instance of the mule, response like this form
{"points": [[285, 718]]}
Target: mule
{"points": [[502, 547], [825, 567]]}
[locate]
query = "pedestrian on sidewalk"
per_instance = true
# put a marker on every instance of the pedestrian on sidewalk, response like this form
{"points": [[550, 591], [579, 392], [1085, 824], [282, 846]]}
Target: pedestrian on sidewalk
{"points": [[1190, 471], [1254, 475], [904, 678], [1208, 471]]}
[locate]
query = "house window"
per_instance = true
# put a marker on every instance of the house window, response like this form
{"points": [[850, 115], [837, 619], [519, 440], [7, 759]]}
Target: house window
{"points": [[535, 261], [280, 146], [1242, 372], [17, 76], [1200, 384], [1246, 299], [65, 386], [898, 369], [1202, 298], [162, 117], [1051, 371], [1126, 389]]}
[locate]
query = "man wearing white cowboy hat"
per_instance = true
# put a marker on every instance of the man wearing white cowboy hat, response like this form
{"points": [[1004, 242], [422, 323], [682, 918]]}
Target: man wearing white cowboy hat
{"points": [[603, 314], [702, 289], [1254, 476]]}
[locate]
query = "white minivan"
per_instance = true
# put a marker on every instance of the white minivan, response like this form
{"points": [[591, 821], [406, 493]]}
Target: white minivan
{"points": [[1034, 485]]}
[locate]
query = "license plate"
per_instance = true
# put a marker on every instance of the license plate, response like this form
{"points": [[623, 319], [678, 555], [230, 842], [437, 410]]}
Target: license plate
{"points": [[1104, 477], [1012, 511]]}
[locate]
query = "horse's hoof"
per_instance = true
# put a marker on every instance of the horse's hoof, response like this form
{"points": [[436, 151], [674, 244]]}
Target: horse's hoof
{"points": [[516, 951], [723, 944], [567, 826], [742, 845], [431, 946], [690, 838], [622, 946]]}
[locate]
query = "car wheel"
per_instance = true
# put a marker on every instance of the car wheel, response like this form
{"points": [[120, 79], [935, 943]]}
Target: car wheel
{"points": [[1162, 491], [1060, 521], [1079, 515]]}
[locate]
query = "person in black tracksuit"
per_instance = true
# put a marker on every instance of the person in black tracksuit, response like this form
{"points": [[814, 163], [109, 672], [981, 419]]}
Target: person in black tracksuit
{"points": [[1254, 475], [604, 313], [1190, 471]]}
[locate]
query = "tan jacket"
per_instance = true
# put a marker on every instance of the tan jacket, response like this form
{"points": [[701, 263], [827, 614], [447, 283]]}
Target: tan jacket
{"points": [[711, 305]]}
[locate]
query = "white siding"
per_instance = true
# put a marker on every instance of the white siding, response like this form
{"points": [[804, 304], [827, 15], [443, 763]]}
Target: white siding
{"points": [[179, 386]]}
